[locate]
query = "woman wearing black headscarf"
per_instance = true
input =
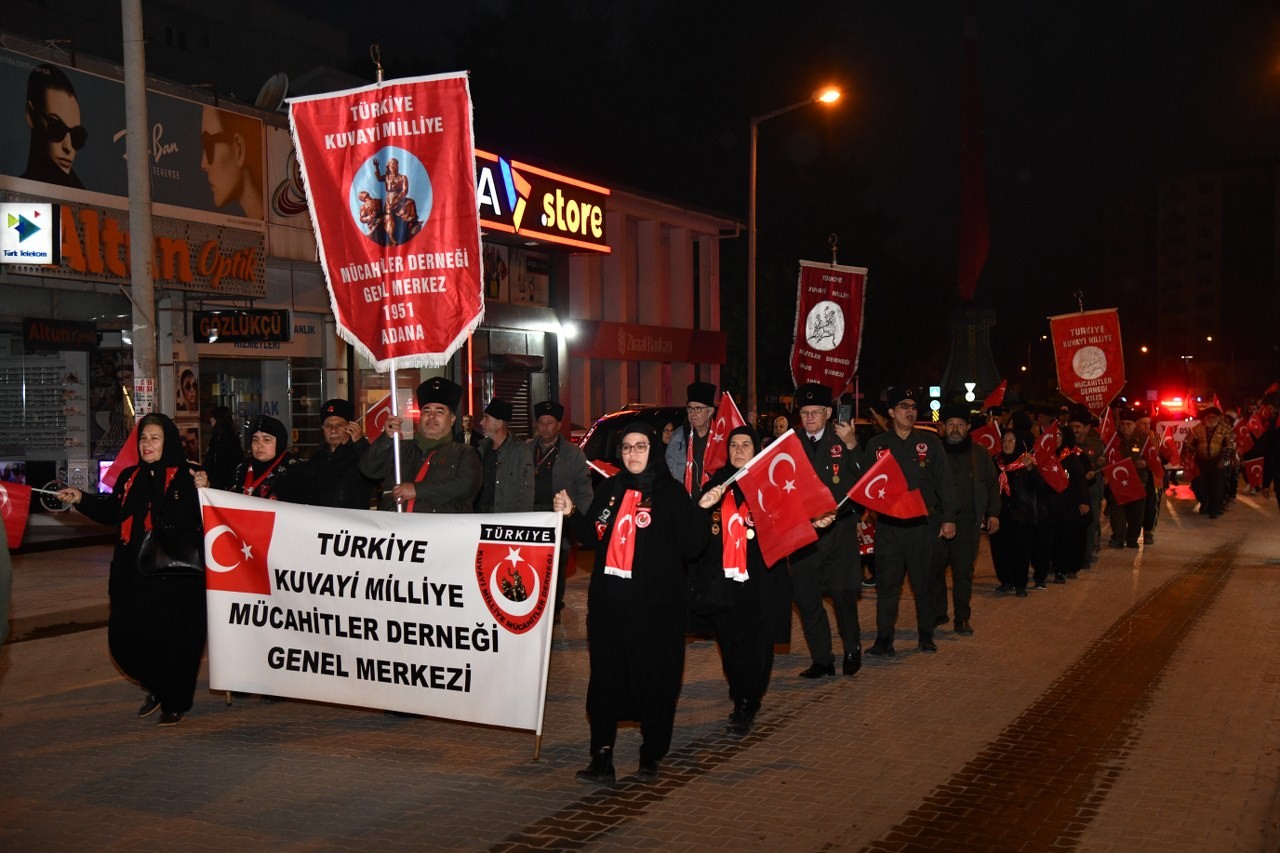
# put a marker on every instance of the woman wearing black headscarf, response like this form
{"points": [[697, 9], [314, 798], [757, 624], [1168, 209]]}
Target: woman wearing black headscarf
{"points": [[225, 454], [756, 600], [645, 529], [156, 629], [265, 473], [1020, 487]]}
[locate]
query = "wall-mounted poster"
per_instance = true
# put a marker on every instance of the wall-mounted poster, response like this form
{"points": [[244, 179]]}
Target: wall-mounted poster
{"points": [[188, 385]]}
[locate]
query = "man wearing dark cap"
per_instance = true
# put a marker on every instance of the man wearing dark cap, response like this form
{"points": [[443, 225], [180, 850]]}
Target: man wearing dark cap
{"points": [[331, 477], [1080, 422], [437, 474], [506, 483], [910, 547], [973, 480], [1126, 519], [831, 565], [557, 464], [687, 451]]}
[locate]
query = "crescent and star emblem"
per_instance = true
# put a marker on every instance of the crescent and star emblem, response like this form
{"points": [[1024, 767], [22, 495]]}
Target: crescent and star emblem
{"points": [[787, 485], [988, 441], [618, 529], [736, 517], [1124, 481], [211, 538], [874, 479]]}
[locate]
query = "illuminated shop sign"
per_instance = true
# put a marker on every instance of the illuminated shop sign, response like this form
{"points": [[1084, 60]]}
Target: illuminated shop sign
{"points": [[234, 325], [521, 199]]}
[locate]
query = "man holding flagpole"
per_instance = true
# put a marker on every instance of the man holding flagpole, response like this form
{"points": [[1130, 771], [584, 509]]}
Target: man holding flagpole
{"points": [[830, 565], [910, 547]]}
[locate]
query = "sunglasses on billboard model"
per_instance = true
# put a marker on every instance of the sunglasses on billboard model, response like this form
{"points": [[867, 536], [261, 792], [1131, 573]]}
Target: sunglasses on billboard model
{"points": [[56, 130], [208, 140]]}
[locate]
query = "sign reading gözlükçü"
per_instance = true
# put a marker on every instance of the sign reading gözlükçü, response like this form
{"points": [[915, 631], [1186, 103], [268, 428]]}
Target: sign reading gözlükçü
{"points": [[390, 178], [241, 325]]}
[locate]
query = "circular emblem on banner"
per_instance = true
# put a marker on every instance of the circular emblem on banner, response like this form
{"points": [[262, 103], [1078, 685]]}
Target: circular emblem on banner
{"points": [[390, 197], [824, 326], [1089, 362]]}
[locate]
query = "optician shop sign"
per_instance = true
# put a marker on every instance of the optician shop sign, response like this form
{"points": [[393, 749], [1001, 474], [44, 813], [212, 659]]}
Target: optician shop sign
{"points": [[236, 325], [521, 199]]}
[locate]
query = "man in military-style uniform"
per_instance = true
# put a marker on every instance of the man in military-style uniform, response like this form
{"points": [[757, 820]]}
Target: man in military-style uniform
{"points": [[909, 547], [437, 474], [331, 477], [829, 566], [1080, 421], [1126, 519]]}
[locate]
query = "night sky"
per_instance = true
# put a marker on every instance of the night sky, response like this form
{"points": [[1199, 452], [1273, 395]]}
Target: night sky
{"points": [[1083, 104]]}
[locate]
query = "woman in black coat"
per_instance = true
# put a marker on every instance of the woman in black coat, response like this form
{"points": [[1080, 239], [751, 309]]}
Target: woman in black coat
{"points": [[754, 611], [156, 629], [224, 454], [1020, 488], [645, 529]]}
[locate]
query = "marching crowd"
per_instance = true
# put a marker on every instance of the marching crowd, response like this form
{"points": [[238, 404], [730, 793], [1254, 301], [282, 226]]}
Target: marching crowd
{"points": [[677, 546]]}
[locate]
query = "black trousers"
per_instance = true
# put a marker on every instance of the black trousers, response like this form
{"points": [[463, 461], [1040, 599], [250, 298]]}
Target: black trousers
{"points": [[831, 567], [746, 650], [1011, 552], [156, 633], [905, 552], [960, 554]]}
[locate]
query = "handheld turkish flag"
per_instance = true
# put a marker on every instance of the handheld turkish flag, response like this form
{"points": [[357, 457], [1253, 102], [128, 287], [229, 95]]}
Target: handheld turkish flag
{"points": [[884, 489], [1050, 467], [1190, 468], [1256, 425], [1169, 443], [728, 418], [604, 469], [1253, 471], [15, 506], [987, 437], [1193, 410], [1048, 439], [1126, 485], [1107, 429], [1111, 450], [996, 397], [784, 494], [1151, 453], [376, 418], [1244, 436], [127, 457]]}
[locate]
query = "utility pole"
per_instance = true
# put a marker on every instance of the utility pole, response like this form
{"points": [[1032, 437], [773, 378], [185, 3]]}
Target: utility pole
{"points": [[141, 242]]}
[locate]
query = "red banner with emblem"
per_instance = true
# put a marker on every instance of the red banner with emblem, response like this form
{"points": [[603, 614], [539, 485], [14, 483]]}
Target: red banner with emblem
{"points": [[1086, 348], [389, 171], [828, 332]]}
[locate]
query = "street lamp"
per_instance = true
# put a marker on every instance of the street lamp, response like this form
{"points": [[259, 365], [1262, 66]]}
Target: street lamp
{"points": [[828, 95]]}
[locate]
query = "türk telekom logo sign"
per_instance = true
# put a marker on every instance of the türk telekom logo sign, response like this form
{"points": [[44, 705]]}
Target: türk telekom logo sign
{"points": [[522, 199]]}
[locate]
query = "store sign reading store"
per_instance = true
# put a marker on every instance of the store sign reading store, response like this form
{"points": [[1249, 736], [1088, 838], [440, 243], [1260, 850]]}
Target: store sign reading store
{"points": [[233, 326], [522, 199]]}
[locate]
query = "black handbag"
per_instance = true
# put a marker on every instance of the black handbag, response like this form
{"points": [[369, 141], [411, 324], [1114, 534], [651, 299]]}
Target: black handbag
{"points": [[164, 552]]}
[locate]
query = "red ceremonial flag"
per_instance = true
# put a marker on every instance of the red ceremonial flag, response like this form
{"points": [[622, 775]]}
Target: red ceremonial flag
{"points": [[1089, 357], [15, 506], [996, 397], [1126, 485], [828, 330], [390, 177], [1151, 453], [1048, 439], [784, 494], [126, 457], [883, 489], [987, 437], [728, 418], [1253, 471], [1050, 467], [604, 469], [1169, 443]]}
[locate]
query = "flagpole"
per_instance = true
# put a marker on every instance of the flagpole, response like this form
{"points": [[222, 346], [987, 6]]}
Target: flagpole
{"points": [[395, 438]]}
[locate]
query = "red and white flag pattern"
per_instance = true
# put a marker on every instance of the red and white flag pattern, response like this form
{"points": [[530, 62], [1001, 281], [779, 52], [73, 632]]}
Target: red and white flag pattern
{"points": [[785, 494], [728, 418], [883, 489], [15, 506], [1253, 469], [1125, 482], [987, 437]]}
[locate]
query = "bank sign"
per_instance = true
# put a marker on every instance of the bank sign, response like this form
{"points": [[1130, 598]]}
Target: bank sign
{"points": [[521, 199]]}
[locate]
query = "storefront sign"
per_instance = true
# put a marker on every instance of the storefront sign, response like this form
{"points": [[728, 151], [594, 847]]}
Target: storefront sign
{"points": [[54, 335], [30, 234], [1087, 351], [632, 342], [828, 334], [235, 325], [389, 174], [522, 199], [448, 616]]}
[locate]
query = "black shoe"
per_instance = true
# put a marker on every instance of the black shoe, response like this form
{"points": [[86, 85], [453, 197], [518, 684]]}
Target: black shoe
{"points": [[739, 724], [170, 718], [600, 770], [963, 627], [926, 644], [869, 582], [852, 662], [882, 648], [1072, 575], [1004, 588], [818, 670], [149, 706], [1058, 579], [941, 619], [1131, 544], [648, 770], [1116, 543], [1040, 585], [1022, 593], [1148, 539]]}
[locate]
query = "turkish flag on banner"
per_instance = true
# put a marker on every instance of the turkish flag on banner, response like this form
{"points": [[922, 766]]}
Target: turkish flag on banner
{"points": [[390, 181], [728, 418], [828, 332], [1244, 436], [883, 489], [996, 397], [1151, 453], [784, 494], [1126, 485], [1253, 471], [1090, 361], [987, 437], [1050, 467], [15, 506], [127, 457]]}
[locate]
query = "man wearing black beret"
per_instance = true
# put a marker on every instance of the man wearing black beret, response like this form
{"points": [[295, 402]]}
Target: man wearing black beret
{"points": [[437, 474], [687, 452]]}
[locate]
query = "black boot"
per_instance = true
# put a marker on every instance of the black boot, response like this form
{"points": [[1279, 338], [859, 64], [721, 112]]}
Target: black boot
{"points": [[600, 770], [742, 717]]}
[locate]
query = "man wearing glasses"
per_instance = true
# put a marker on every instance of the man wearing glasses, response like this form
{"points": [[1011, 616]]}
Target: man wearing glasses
{"points": [[829, 566], [910, 547], [687, 452]]}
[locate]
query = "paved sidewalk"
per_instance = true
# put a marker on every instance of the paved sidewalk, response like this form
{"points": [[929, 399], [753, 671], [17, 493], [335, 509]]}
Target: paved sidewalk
{"points": [[1134, 709]]}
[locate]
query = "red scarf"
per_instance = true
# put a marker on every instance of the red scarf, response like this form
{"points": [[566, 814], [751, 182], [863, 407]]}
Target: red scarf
{"points": [[1004, 476], [622, 542], [734, 553], [251, 483], [422, 475], [126, 526]]}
